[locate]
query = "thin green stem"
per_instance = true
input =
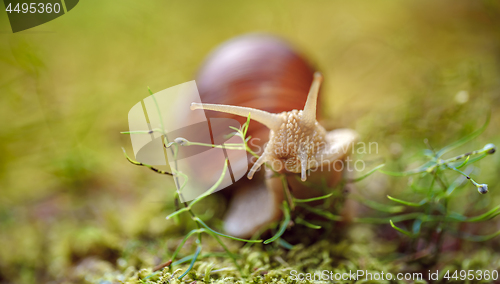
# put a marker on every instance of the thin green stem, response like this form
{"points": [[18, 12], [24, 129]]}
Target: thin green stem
{"points": [[198, 220], [227, 251], [283, 226], [179, 247], [312, 199], [146, 165], [287, 192], [301, 221], [320, 212], [198, 250]]}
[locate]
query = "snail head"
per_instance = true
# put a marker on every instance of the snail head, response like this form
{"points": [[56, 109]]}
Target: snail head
{"points": [[297, 142]]}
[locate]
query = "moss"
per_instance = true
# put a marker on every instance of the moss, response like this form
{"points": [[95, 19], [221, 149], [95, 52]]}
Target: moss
{"points": [[360, 250]]}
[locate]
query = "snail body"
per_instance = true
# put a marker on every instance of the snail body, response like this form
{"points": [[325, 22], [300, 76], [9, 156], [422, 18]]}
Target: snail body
{"points": [[264, 77]]}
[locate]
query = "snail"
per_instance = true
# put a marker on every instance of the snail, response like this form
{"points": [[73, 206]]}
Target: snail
{"points": [[263, 76]]}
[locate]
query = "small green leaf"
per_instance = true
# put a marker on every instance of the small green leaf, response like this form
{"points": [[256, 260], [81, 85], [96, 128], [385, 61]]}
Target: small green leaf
{"points": [[283, 226], [223, 235], [184, 241], [184, 209], [312, 199], [413, 204], [321, 212], [459, 165], [369, 173], [486, 216], [384, 220], [473, 238], [213, 188], [195, 256], [455, 217], [424, 168], [307, 224], [464, 163], [465, 139], [417, 224], [285, 244], [382, 207], [400, 230]]}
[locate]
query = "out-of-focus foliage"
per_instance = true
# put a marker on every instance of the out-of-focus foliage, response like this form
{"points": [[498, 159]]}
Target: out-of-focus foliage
{"points": [[397, 72]]}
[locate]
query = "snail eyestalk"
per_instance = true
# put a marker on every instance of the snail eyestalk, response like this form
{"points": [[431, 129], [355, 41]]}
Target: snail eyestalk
{"points": [[272, 121], [262, 159], [303, 164], [309, 114]]}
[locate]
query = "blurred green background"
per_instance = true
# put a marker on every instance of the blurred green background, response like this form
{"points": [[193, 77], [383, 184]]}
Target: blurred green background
{"points": [[396, 71]]}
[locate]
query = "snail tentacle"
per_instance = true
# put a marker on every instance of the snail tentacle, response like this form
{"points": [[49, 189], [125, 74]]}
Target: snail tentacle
{"points": [[272, 121], [303, 164], [261, 160], [309, 113]]}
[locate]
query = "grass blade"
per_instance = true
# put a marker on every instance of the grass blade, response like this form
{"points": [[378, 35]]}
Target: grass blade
{"points": [[223, 235], [368, 173], [473, 238], [184, 209], [470, 161], [198, 250], [283, 226], [179, 247], [213, 188], [307, 224], [465, 139], [384, 220], [413, 204], [232, 256], [312, 199], [382, 207], [418, 170], [321, 212], [400, 230], [145, 165], [486, 216], [285, 244]]}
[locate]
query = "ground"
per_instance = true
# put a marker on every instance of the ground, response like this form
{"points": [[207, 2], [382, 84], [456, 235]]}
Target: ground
{"points": [[73, 210]]}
